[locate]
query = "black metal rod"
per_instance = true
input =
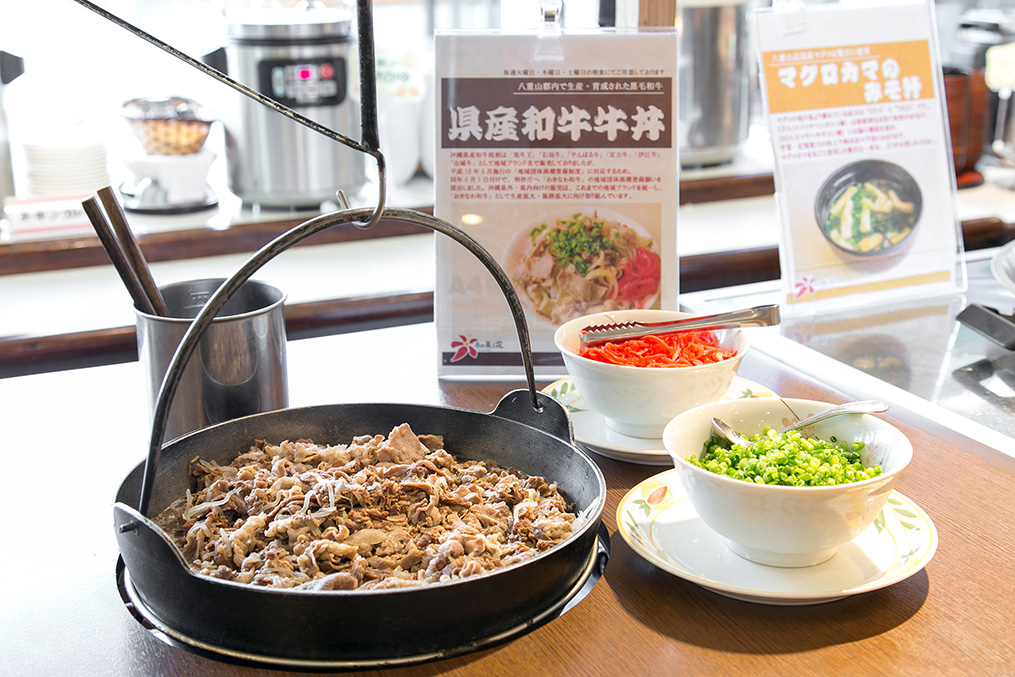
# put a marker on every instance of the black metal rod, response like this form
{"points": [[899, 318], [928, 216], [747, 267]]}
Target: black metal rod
{"points": [[218, 75], [370, 146], [368, 76], [368, 91]]}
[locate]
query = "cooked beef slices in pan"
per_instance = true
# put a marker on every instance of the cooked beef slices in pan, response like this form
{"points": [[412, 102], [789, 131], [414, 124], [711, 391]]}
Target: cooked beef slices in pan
{"points": [[376, 513]]}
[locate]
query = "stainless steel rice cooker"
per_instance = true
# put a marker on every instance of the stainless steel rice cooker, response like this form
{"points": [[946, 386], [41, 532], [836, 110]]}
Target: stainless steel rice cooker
{"points": [[301, 58], [715, 80]]}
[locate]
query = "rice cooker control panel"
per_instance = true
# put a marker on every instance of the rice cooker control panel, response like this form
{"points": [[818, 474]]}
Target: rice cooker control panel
{"points": [[301, 83]]}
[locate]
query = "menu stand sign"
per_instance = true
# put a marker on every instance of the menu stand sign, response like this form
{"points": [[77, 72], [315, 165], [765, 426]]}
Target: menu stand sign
{"points": [[557, 152], [865, 185]]}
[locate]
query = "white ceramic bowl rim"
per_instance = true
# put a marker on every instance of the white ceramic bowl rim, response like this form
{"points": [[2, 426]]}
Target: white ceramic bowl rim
{"points": [[627, 367], [786, 487], [783, 487], [738, 337]]}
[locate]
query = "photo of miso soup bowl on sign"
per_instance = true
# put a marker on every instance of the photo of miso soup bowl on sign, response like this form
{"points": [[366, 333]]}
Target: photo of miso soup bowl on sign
{"points": [[868, 208], [576, 261], [639, 376]]}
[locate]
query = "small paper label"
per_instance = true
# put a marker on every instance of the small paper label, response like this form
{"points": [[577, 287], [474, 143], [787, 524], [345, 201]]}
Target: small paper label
{"points": [[45, 215]]}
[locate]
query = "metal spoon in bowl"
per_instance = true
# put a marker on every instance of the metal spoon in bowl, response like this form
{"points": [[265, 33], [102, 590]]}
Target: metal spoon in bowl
{"points": [[861, 407]]}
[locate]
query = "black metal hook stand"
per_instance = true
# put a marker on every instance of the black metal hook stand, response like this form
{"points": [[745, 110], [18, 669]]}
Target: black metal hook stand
{"points": [[361, 218]]}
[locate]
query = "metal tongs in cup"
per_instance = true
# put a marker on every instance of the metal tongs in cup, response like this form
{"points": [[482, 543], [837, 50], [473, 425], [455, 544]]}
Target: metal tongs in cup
{"points": [[759, 316]]}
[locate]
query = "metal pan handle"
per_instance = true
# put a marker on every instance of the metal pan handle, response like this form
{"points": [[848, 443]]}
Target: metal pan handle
{"points": [[283, 242]]}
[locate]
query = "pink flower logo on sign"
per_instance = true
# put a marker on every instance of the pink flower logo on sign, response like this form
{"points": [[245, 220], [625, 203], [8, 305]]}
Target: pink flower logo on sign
{"points": [[804, 287], [464, 347]]}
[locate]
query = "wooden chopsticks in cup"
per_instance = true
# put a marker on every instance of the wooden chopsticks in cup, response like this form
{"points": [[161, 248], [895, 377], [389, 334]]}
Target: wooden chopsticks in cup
{"points": [[124, 251]]}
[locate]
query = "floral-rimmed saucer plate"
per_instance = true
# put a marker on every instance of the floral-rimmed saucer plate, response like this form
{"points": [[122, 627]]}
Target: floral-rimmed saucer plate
{"points": [[657, 520], [592, 433]]}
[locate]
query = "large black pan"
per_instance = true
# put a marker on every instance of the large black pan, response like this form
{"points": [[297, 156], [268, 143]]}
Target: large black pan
{"points": [[350, 628], [527, 430]]}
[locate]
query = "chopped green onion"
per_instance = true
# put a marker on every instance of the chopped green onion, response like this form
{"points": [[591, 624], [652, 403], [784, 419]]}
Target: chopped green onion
{"points": [[788, 459]]}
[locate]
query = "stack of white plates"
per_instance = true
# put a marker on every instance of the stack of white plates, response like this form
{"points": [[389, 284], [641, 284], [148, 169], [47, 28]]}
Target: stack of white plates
{"points": [[62, 168]]}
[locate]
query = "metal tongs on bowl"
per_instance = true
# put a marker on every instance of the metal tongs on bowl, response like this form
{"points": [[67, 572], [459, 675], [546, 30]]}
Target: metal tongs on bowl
{"points": [[759, 316]]}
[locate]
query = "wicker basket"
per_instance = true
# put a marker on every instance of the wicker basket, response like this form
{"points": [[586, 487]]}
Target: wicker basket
{"points": [[171, 137], [174, 126]]}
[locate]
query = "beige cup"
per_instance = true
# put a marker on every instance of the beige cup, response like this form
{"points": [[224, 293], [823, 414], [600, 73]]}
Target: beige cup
{"points": [[239, 367]]}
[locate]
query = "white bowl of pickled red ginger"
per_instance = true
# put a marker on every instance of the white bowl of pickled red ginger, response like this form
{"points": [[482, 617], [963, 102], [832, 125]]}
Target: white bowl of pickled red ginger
{"points": [[638, 385]]}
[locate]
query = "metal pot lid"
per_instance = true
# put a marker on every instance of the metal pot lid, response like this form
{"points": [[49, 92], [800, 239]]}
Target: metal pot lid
{"points": [[289, 25]]}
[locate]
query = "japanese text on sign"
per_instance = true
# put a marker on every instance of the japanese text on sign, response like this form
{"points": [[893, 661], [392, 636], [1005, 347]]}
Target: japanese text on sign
{"points": [[576, 175], [845, 76], [502, 124], [557, 113]]}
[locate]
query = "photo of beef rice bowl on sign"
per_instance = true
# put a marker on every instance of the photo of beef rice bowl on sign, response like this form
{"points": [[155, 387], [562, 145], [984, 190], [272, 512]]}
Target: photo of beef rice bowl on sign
{"points": [[578, 261]]}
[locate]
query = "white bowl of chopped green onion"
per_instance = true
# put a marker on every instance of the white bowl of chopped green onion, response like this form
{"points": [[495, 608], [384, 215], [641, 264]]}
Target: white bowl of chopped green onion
{"points": [[790, 500]]}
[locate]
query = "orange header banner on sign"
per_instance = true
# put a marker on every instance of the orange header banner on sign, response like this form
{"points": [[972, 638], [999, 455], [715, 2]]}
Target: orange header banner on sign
{"points": [[854, 75]]}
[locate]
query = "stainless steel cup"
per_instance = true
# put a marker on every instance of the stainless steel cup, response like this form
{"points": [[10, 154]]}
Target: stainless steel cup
{"points": [[239, 367]]}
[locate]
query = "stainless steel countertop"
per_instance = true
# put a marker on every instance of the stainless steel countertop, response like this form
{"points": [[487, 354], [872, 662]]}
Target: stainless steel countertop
{"points": [[911, 353]]}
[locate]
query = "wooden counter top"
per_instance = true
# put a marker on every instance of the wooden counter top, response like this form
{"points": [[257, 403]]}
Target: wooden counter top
{"points": [[63, 613], [31, 256], [74, 347], [27, 354]]}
